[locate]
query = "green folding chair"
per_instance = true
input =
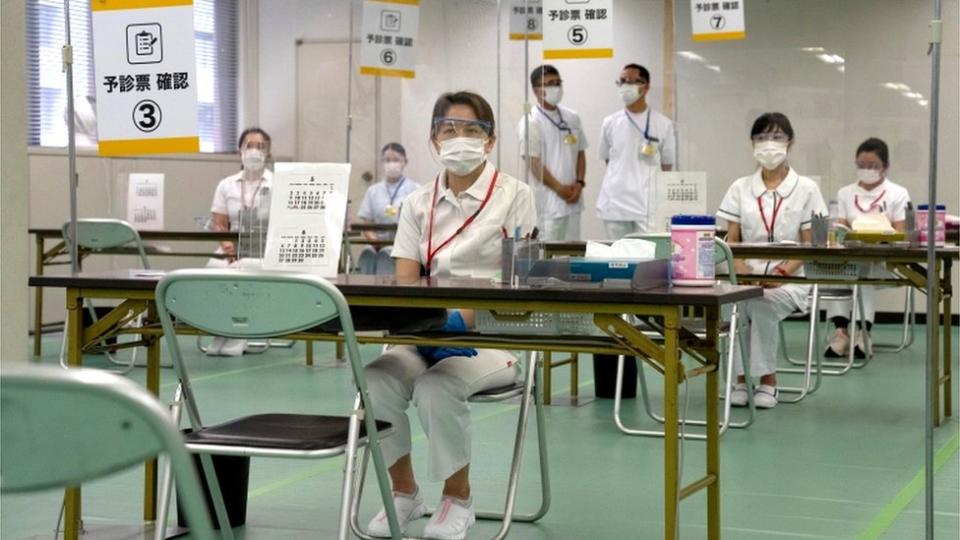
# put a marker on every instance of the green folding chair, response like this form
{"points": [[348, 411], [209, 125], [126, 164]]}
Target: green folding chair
{"points": [[96, 235], [731, 334], [255, 304], [62, 428]]}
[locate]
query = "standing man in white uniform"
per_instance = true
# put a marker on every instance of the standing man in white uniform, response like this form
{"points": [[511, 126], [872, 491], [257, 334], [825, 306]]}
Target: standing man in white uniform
{"points": [[636, 143], [879, 203], [556, 157]]}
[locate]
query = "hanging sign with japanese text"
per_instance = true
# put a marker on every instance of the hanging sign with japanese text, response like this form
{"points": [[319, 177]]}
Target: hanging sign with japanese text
{"points": [[387, 45], [717, 21], [577, 29], [526, 20], [145, 76]]}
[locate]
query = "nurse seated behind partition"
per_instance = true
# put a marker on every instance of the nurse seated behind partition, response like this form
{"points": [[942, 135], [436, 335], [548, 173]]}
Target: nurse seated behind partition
{"points": [[451, 226], [381, 205]]}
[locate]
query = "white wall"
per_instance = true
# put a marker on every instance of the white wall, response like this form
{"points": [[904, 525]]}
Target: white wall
{"points": [[14, 187]]}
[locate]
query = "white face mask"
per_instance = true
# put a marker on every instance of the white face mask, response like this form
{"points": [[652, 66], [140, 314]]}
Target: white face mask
{"points": [[553, 95], [462, 155], [868, 176], [253, 159], [393, 169], [770, 154], [629, 93]]}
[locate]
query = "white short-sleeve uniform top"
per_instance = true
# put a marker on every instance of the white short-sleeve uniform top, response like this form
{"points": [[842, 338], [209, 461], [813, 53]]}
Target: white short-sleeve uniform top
{"points": [[228, 199], [382, 201], [475, 252], [556, 137], [627, 190], [797, 197], [888, 198]]}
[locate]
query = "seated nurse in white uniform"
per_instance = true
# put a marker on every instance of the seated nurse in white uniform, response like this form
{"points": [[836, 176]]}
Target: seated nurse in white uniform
{"points": [[381, 205], [872, 202], [450, 226], [240, 202], [773, 204]]}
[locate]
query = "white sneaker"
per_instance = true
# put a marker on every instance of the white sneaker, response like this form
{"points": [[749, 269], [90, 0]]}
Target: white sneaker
{"points": [[450, 520], [233, 347], [765, 397], [409, 508], [860, 349], [739, 397], [839, 346], [214, 348]]}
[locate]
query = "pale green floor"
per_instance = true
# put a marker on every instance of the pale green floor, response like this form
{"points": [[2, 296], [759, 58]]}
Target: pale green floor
{"points": [[841, 464]]}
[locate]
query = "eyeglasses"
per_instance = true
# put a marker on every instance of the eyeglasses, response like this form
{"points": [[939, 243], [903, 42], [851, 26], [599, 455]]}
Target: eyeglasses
{"points": [[548, 84], [777, 136], [449, 128], [621, 82], [870, 165]]}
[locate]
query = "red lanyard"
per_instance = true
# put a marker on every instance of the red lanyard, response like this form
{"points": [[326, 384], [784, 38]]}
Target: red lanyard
{"points": [[773, 220], [431, 253], [874, 204]]}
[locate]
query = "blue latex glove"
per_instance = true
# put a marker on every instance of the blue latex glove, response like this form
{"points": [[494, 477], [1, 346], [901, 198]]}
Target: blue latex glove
{"points": [[454, 324]]}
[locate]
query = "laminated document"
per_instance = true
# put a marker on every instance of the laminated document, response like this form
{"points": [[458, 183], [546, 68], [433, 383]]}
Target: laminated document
{"points": [[308, 206]]}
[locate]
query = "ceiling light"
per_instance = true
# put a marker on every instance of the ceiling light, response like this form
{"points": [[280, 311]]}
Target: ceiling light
{"points": [[827, 58], [812, 49], [713, 67]]}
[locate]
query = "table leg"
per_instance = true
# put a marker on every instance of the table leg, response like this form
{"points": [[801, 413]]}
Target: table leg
{"points": [[574, 376], [547, 377], [153, 386], [946, 295], [38, 298], [713, 430], [309, 346], [671, 459], [71, 497]]}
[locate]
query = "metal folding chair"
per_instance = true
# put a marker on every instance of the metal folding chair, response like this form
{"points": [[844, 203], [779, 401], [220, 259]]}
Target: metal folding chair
{"points": [[254, 304], [62, 428], [731, 332], [529, 393], [99, 234], [909, 323]]}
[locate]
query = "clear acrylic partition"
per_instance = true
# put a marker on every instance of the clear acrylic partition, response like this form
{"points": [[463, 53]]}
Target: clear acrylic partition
{"points": [[841, 71]]}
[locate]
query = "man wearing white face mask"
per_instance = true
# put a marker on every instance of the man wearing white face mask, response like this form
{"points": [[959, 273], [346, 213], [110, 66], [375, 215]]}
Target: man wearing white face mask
{"points": [[450, 227], [636, 143], [241, 203], [556, 158], [772, 205], [381, 204], [876, 202]]}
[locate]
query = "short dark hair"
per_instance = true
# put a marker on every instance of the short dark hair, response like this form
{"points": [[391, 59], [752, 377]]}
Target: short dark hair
{"points": [[396, 147], [252, 131], [878, 147], [771, 121], [644, 74], [536, 76], [480, 107]]}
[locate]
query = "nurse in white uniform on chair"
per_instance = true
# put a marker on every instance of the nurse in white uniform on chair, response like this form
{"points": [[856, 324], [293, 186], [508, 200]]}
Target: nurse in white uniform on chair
{"points": [[878, 203], [240, 203], [774, 204], [450, 226]]}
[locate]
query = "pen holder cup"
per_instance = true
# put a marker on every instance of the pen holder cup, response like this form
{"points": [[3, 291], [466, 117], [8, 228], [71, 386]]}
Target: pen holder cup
{"points": [[518, 257], [819, 229]]}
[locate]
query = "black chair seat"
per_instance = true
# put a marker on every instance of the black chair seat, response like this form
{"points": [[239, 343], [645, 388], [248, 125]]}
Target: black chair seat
{"points": [[499, 393], [281, 431]]}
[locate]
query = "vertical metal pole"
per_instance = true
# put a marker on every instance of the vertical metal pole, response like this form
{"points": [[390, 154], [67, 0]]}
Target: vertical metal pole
{"points": [[933, 289], [67, 57], [349, 81], [499, 37], [526, 99]]}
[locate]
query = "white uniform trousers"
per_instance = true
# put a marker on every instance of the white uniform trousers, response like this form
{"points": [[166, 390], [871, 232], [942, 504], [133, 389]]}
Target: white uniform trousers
{"points": [[440, 394], [561, 228], [618, 229], [844, 308], [763, 316]]}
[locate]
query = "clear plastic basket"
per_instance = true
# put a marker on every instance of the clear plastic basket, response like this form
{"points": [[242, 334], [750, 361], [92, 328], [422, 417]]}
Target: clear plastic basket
{"points": [[840, 271], [554, 324]]}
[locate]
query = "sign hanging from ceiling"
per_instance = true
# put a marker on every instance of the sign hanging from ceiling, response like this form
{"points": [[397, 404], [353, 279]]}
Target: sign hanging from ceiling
{"points": [[145, 76], [577, 29], [526, 20], [717, 21], [389, 39]]}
